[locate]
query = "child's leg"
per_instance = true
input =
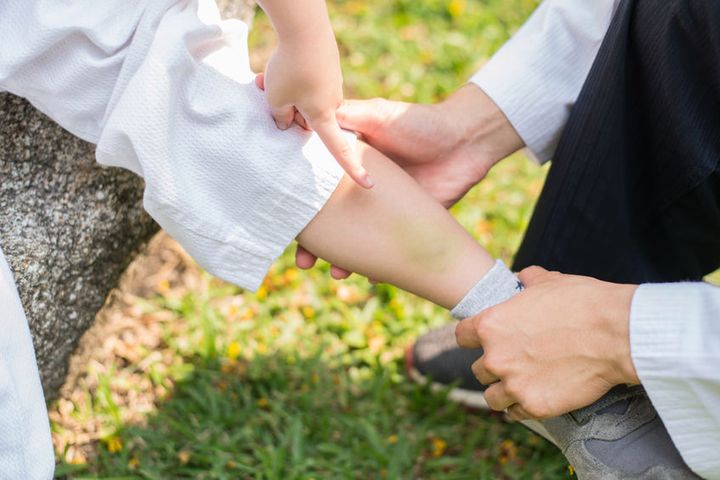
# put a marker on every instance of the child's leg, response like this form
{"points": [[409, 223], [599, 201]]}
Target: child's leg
{"points": [[397, 233]]}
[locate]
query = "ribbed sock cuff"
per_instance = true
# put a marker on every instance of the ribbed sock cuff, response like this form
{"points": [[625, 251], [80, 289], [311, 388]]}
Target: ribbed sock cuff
{"points": [[498, 285]]}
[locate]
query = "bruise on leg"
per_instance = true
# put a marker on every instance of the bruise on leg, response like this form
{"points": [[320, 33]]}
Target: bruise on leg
{"points": [[396, 233]]}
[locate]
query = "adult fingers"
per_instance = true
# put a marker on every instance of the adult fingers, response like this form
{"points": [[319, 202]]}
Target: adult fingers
{"points": [[304, 259], [339, 273], [518, 413], [362, 116], [483, 375], [332, 136], [466, 333], [283, 116], [532, 275], [497, 397]]}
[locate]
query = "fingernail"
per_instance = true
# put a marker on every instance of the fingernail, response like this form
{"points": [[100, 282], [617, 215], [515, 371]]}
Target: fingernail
{"points": [[368, 181], [282, 125]]}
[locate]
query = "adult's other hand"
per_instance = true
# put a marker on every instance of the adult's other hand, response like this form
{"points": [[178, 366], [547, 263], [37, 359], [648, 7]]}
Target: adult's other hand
{"points": [[559, 345], [447, 147], [306, 260]]}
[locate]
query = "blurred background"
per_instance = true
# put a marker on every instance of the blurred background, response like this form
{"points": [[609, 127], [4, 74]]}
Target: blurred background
{"points": [[185, 376]]}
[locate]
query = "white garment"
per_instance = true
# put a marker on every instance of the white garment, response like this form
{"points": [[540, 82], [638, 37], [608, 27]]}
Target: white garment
{"points": [[26, 451], [535, 79], [675, 338], [164, 87]]}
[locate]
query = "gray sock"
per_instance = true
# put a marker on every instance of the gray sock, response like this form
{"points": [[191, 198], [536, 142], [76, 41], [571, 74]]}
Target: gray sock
{"points": [[498, 284]]}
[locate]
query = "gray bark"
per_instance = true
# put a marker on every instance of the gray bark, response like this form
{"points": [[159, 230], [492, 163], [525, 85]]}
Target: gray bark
{"points": [[68, 227]]}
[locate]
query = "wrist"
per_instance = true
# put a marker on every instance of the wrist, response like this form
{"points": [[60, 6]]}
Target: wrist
{"points": [[481, 127], [305, 36], [617, 308], [296, 27]]}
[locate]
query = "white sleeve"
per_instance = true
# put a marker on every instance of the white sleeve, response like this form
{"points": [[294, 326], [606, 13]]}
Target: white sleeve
{"points": [[26, 449], [537, 75], [675, 342], [165, 89]]}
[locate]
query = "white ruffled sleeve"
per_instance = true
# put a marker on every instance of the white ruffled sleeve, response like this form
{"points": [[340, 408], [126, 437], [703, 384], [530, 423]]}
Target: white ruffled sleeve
{"points": [[165, 89]]}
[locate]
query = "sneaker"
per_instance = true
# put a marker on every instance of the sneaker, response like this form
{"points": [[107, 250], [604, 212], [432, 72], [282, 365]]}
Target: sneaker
{"points": [[619, 437], [436, 359]]}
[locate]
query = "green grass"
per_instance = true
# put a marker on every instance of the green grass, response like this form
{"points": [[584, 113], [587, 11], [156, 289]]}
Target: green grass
{"points": [[304, 380]]}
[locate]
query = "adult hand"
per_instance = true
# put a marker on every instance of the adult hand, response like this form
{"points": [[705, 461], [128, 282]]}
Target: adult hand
{"points": [[559, 345], [447, 147], [306, 260]]}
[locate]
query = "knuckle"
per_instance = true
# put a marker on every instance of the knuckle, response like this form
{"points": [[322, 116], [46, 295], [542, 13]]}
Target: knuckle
{"points": [[485, 322], [531, 270], [490, 399], [477, 370], [492, 315], [479, 324], [535, 408], [346, 151], [514, 389], [488, 363]]}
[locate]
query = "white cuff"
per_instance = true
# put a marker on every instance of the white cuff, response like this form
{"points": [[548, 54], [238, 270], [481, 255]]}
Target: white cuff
{"points": [[536, 77], [675, 343], [220, 177]]}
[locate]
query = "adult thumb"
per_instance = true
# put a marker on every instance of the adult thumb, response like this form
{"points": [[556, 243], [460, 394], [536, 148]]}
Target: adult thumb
{"points": [[362, 116], [532, 275]]}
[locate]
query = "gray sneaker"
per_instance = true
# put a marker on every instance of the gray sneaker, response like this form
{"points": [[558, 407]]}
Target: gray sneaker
{"points": [[619, 437], [436, 359]]}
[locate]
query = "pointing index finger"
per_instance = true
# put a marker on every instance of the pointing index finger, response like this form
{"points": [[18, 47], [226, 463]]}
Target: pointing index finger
{"points": [[332, 136]]}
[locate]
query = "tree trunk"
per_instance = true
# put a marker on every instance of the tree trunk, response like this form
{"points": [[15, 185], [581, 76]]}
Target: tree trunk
{"points": [[68, 227]]}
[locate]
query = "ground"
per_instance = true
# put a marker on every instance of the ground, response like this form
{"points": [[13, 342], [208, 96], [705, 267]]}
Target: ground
{"points": [[189, 377]]}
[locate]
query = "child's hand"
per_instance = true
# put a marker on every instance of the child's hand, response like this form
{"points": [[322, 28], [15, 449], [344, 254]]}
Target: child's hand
{"points": [[303, 80]]}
